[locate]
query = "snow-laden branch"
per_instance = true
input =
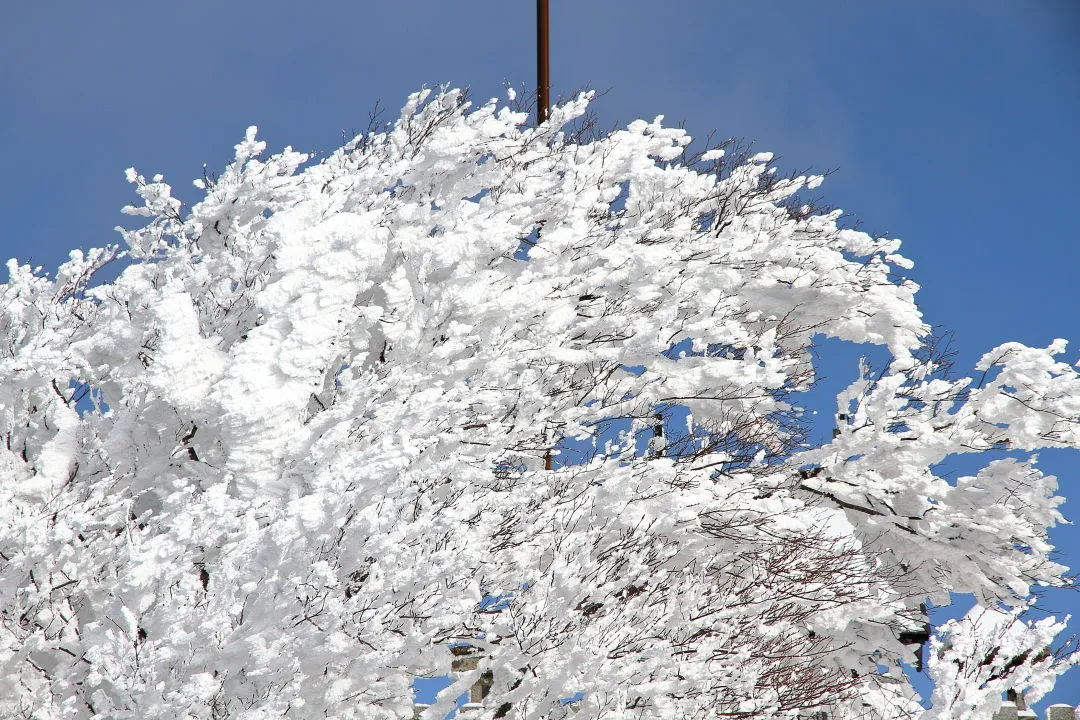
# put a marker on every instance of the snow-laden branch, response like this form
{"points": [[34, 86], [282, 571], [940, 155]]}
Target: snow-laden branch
{"points": [[467, 383]]}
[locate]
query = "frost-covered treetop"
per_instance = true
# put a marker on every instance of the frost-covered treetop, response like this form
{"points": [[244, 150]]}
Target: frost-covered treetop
{"points": [[528, 393]]}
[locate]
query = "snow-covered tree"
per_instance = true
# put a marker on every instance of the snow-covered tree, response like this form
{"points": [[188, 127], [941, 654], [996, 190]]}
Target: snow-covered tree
{"points": [[534, 394]]}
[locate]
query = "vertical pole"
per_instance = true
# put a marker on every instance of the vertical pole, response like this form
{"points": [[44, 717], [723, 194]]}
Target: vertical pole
{"points": [[543, 85], [543, 78]]}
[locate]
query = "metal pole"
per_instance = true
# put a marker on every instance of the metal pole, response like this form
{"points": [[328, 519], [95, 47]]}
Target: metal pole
{"points": [[543, 86], [543, 77]]}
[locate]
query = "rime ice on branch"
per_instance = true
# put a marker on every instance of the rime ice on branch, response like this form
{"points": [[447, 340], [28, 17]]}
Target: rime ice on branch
{"points": [[532, 392]]}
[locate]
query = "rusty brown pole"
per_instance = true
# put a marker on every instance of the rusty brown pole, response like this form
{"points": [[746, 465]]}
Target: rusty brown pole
{"points": [[543, 77], [543, 86]]}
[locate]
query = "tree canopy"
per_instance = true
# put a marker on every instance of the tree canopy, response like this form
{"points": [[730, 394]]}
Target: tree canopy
{"points": [[530, 393]]}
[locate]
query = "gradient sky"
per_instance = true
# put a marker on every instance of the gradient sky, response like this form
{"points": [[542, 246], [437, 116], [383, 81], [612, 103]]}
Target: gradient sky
{"points": [[953, 124]]}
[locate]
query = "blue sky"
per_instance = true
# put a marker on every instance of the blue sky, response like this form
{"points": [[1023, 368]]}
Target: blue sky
{"points": [[953, 125]]}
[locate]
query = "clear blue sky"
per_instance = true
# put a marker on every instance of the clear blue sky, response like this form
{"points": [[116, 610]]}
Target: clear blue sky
{"points": [[953, 124]]}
